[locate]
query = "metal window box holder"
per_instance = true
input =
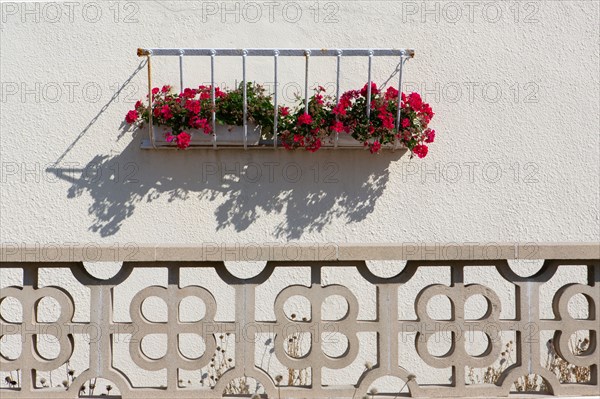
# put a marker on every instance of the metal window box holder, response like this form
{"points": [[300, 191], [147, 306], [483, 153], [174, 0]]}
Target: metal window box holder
{"points": [[150, 143]]}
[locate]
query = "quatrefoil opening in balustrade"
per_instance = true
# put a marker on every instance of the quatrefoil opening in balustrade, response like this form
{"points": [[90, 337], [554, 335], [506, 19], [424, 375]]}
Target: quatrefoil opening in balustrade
{"points": [[304, 340], [156, 334]]}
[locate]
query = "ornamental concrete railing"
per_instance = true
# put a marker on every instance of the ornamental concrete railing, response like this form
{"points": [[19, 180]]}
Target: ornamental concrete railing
{"points": [[376, 353]]}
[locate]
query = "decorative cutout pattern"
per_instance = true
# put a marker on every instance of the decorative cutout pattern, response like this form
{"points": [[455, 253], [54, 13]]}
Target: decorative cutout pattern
{"points": [[526, 327]]}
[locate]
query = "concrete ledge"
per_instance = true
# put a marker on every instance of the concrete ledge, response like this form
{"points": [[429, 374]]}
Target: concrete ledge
{"points": [[302, 252]]}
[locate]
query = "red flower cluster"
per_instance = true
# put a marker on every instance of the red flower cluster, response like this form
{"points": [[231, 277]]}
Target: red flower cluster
{"points": [[374, 90], [381, 126], [304, 119], [307, 129], [181, 112], [132, 116], [284, 111], [374, 147]]}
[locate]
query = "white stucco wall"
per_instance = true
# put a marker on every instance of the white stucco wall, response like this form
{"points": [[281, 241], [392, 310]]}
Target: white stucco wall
{"points": [[514, 86], [538, 134]]}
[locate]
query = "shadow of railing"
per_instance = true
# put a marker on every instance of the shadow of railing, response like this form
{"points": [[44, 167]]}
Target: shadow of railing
{"points": [[308, 190]]}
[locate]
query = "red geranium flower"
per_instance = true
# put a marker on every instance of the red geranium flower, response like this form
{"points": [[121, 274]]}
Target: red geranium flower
{"points": [[375, 147], [420, 150], [183, 140], [374, 90], [219, 93], [131, 116], [166, 112], [188, 93], [430, 136], [338, 126], [193, 106], [391, 93], [415, 101], [304, 119], [198, 123], [340, 109], [314, 146]]}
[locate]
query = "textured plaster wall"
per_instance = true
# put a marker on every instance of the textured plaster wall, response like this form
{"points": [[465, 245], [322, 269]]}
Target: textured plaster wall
{"points": [[516, 105], [514, 86]]}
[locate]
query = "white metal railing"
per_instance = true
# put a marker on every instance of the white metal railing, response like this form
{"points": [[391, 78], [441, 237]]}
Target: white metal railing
{"points": [[404, 55]]}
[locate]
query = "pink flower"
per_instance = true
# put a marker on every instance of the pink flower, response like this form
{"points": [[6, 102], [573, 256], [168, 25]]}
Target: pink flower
{"points": [[430, 136], [166, 112], [299, 139], [183, 140], [155, 91], [304, 119], [420, 150], [198, 123], [405, 122], [340, 109], [338, 127], [314, 146], [193, 106], [374, 90], [387, 120], [138, 104], [375, 147], [188, 93], [131, 116], [169, 137], [165, 88], [391, 93], [427, 113], [219, 93], [284, 111], [415, 101]]}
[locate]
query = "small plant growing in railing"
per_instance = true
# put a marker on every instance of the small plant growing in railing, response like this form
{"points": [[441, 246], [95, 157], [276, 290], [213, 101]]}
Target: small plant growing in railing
{"points": [[295, 349], [219, 364], [222, 361], [11, 382], [564, 371]]}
